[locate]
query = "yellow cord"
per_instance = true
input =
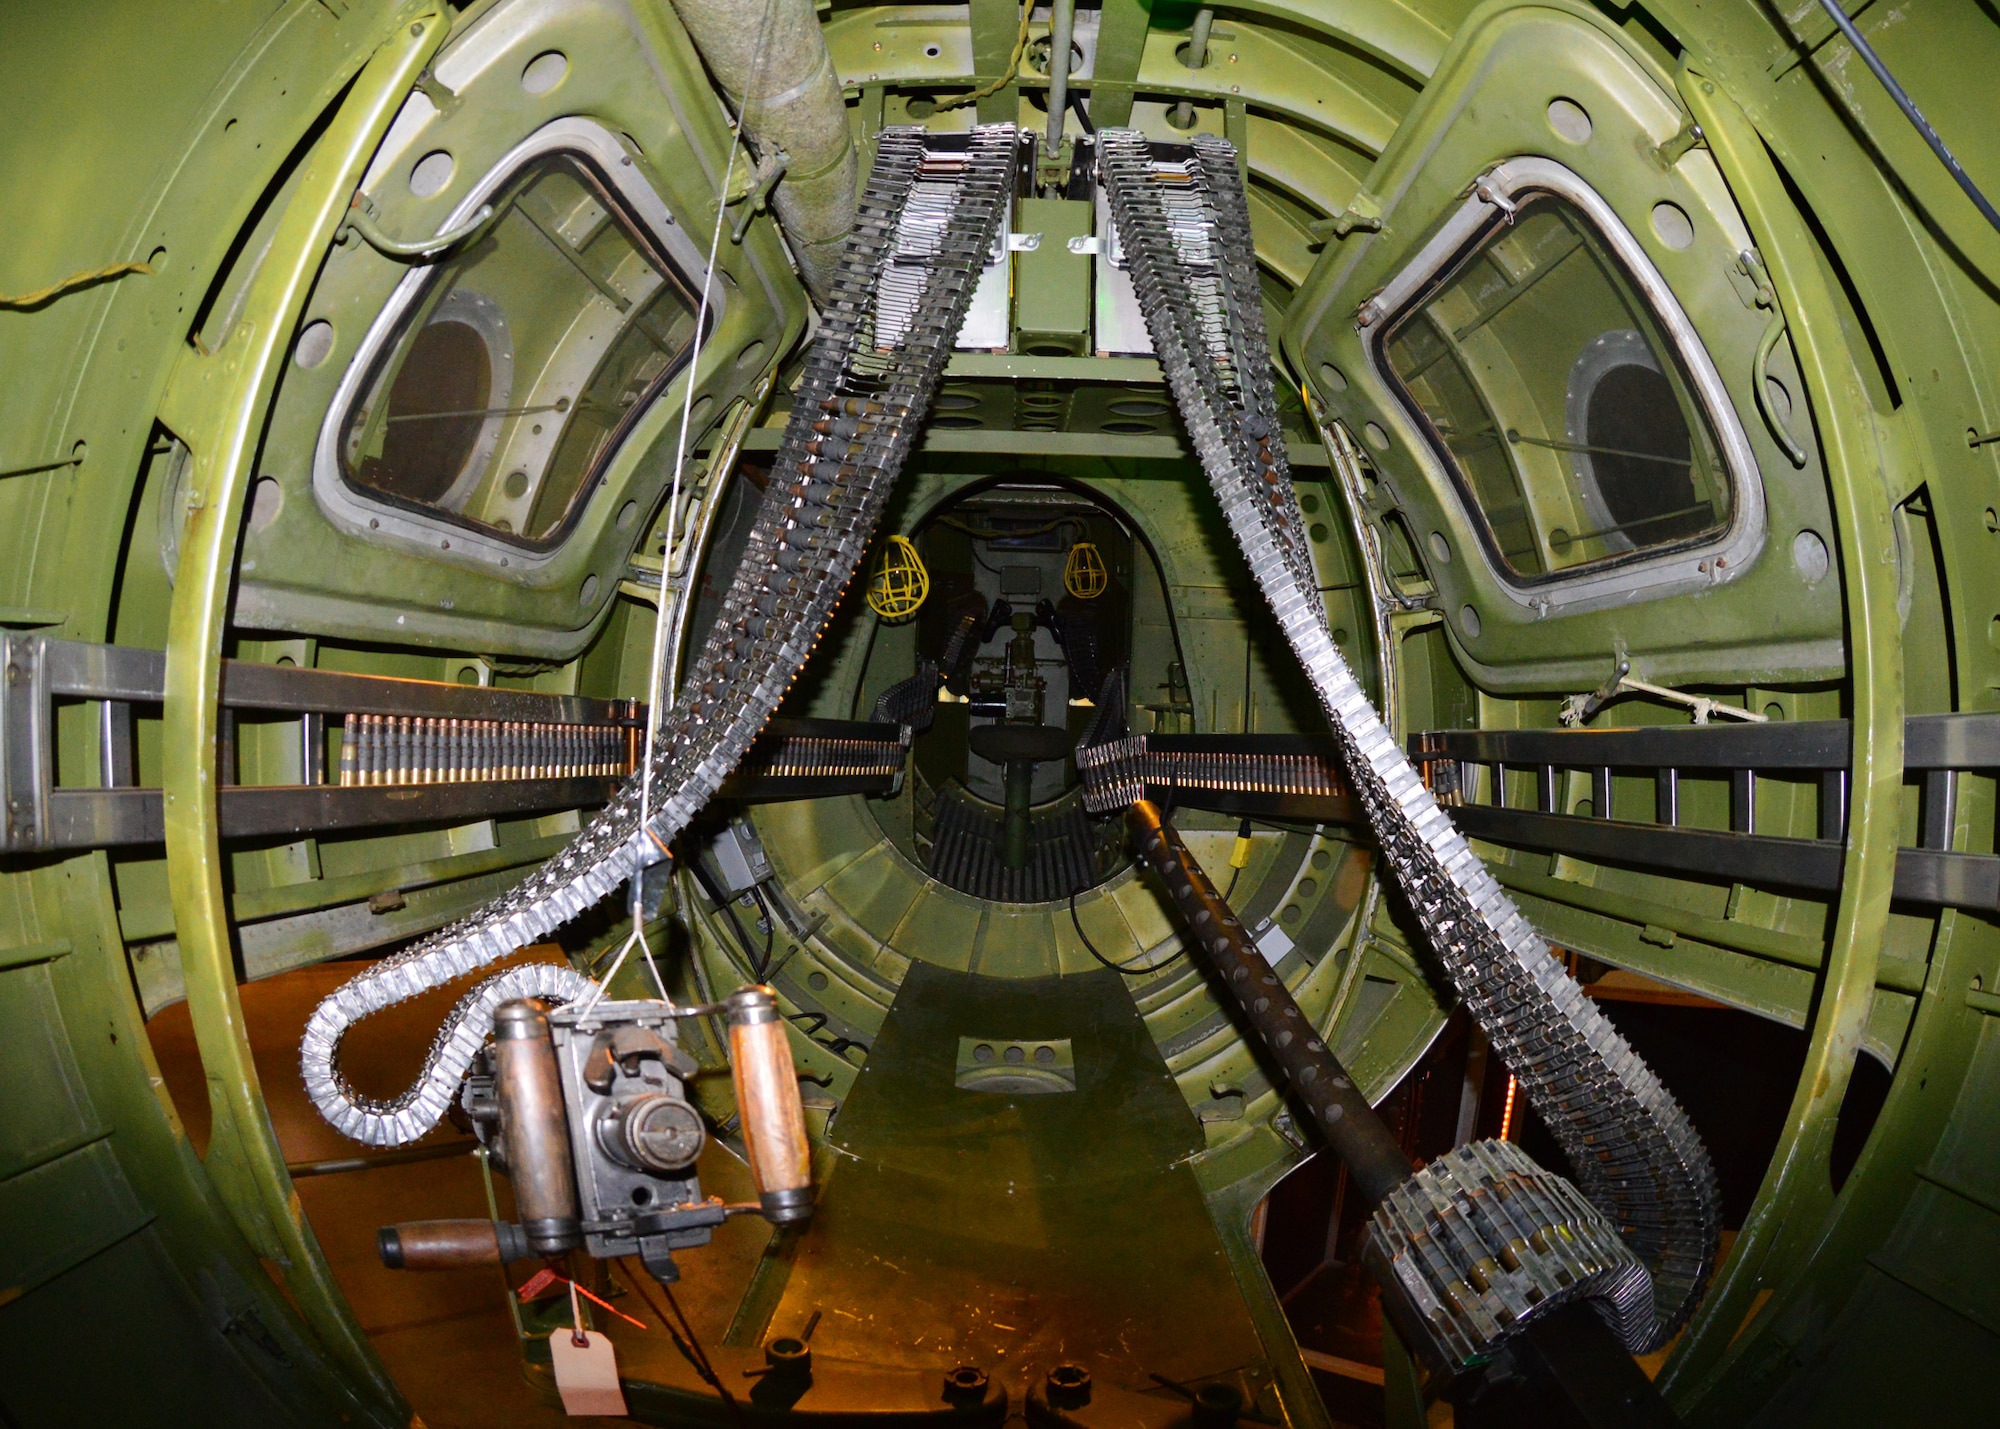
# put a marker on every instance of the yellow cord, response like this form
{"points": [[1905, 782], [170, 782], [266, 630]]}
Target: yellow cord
{"points": [[1013, 67], [71, 283], [1084, 575], [900, 583]]}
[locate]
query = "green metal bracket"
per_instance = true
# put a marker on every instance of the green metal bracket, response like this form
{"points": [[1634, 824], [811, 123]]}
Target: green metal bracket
{"points": [[1676, 148], [1402, 1387], [217, 405], [1362, 215], [1795, 1198], [1052, 280], [1052, 170], [995, 25], [1121, 45], [1760, 377], [1236, 129]]}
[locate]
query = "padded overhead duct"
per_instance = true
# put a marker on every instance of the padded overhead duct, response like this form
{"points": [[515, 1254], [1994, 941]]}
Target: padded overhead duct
{"points": [[771, 59]]}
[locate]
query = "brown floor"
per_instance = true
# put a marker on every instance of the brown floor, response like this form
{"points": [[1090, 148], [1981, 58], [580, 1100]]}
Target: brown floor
{"points": [[446, 1337]]}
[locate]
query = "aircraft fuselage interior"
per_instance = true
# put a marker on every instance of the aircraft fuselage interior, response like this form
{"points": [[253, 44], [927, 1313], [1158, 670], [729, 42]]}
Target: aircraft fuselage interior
{"points": [[1075, 713]]}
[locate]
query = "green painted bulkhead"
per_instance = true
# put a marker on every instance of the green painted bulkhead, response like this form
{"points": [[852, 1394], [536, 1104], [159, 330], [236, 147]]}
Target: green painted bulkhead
{"points": [[187, 464]]}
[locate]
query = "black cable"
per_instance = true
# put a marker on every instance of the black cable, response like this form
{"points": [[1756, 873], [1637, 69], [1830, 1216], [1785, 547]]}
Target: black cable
{"points": [[1242, 832], [1126, 968], [742, 936], [770, 932], [685, 1340], [1076, 108], [728, 906], [1910, 111]]}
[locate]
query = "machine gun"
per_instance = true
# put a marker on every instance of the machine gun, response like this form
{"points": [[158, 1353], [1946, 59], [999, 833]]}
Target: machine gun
{"points": [[585, 1109]]}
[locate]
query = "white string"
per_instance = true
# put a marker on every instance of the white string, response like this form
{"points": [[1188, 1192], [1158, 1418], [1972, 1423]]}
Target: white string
{"points": [[660, 678], [579, 1336]]}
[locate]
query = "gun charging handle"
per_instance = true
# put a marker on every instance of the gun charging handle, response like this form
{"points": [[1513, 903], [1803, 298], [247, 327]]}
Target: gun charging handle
{"points": [[535, 1127], [767, 1101]]}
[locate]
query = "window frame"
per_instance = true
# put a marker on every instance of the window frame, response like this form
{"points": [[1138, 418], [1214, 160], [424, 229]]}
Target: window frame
{"points": [[1489, 204], [380, 517]]}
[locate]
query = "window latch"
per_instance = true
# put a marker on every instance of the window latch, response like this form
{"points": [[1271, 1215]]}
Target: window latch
{"points": [[1490, 193]]}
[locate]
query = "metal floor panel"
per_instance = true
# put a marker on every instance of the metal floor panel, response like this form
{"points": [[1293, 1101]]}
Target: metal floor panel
{"points": [[1016, 1232]]}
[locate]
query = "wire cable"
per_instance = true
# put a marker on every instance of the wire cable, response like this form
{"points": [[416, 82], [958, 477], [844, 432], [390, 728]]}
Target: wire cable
{"points": [[1007, 75], [770, 931], [1076, 107], [727, 904], [1910, 111], [684, 1338], [660, 680], [1128, 969]]}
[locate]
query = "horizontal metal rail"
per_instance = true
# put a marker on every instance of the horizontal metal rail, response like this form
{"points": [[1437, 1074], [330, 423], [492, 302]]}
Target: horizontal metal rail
{"points": [[77, 669], [1927, 876], [413, 751], [1257, 774], [1951, 741], [1937, 749], [111, 818], [439, 752]]}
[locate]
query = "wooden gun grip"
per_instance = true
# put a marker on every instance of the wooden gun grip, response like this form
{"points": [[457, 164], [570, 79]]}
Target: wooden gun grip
{"points": [[449, 1245], [767, 1101]]}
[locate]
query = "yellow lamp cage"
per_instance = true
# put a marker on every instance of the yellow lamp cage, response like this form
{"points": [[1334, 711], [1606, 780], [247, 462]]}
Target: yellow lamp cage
{"points": [[897, 588], [1084, 575]]}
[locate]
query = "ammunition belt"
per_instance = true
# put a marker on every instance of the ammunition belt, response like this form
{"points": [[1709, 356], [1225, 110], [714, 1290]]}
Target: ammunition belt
{"points": [[1482, 1239], [865, 390], [397, 749], [1276, 775], [1184, 227], [818, 758]]}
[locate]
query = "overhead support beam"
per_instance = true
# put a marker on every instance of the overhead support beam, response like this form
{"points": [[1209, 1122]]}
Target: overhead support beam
{"points": [[1269, 72], [1321, 172], [995, 25], [1260, 67], [1000, 441], [1121, 46], [1284, 246]]}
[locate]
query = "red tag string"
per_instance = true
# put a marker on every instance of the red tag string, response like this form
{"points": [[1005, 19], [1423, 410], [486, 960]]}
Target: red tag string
{"points": [[545, 1280], [538, 1284]]}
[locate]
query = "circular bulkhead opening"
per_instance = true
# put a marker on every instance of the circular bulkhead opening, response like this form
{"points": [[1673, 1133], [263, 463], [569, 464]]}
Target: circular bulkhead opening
{"points": [[1030, 615]]}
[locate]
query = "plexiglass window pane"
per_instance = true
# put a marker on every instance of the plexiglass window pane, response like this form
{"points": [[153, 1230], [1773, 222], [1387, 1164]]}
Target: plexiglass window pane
{"points": [[515, 373], [1573, 431]]}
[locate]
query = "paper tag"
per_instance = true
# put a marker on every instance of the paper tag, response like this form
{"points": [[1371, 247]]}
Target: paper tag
{"points": [[1273, 943], [586, 1374]]}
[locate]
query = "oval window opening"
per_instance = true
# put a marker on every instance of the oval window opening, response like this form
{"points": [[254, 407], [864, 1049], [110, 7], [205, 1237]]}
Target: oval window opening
{"points": [[436, 407], [1563, 413], [1639, 460], [516, 365]]}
